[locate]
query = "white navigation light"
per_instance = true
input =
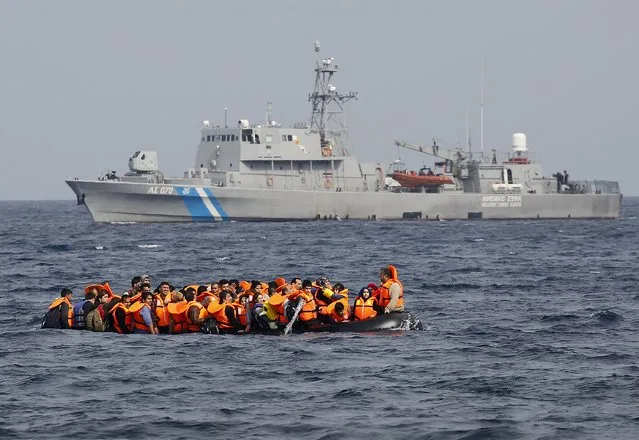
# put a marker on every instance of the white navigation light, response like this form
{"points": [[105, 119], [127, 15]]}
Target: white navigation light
{"points": [[243, 123], [332, 88], [206, 124]]}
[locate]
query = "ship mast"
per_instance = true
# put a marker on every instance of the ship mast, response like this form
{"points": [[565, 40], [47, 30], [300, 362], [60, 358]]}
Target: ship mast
{"points": [[327, 117]]}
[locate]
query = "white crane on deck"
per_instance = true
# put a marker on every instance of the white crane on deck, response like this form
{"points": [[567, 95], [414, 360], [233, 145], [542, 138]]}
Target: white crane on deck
{"points": [[456, 155]]}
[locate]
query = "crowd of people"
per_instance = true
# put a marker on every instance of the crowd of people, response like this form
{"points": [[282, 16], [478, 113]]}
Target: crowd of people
{"points": [[228, 305]]}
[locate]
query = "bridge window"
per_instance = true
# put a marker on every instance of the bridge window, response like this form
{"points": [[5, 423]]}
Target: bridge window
{"points": [[208, 138], [509, 172], [290, 138], [257, 138], [223, 138], [247, 135]]}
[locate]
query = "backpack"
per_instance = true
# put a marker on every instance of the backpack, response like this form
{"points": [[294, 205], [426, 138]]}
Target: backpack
{"points": [[51, 319]]}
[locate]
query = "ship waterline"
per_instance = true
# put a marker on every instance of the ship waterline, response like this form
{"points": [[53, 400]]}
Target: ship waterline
{"points": [[142, 202]]}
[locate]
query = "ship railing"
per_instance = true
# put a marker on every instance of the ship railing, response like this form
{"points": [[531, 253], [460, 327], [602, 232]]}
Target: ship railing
{"points": [[592, 187], [488, 158]]}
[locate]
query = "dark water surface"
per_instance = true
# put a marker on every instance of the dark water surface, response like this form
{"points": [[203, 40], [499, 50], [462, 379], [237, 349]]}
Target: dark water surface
{"points": [[531, 332]]}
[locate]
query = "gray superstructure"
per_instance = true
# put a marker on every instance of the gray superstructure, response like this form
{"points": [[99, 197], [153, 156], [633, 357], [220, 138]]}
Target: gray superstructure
{"points": [[269, 172]]}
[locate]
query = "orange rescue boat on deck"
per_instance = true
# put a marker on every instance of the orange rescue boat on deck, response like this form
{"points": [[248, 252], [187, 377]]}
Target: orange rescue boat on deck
{"points": [[411, 179]]}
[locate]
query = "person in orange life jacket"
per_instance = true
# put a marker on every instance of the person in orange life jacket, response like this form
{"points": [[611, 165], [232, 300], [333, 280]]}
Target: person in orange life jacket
{"points": [[338, 312], [117, 320], [146, 279], [296, 284], [272, 290], [339, 289], [214, 290], [193, 312], [160, 314], [225, 285], [374, 290], [366, 306], [391, 296], [308, 313], [143, 321], [202, 292], [325, 293], [233, 286], [134, 291], [163, 289], [256, 289], [81, 309], [65, 304], [226, 298]]}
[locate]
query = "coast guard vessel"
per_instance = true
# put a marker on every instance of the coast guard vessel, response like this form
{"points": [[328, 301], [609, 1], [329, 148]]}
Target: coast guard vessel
{"points": [[270, 172]]}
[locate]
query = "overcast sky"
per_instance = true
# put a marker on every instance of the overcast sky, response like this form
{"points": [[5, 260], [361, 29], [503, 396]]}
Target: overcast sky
{"points": [[84, 84]]}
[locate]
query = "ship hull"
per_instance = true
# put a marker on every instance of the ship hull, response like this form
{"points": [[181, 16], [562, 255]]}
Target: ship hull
{"points": [[142, 202]]}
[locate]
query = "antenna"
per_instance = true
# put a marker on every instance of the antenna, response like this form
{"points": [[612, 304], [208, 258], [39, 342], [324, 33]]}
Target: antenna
{"points": [[226, 114], [327, 117], [481, 108], [470, 153], [269, 110]]}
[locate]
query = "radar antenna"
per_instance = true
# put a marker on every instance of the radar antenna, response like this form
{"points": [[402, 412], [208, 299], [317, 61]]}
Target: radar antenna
{"points": [[327, 117]]}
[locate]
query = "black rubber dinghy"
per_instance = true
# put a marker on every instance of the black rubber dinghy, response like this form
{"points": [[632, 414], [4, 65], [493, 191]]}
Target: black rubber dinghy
{"points": [[390, 321]]}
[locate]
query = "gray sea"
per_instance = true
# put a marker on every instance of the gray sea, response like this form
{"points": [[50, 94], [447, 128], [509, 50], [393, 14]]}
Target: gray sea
{"points": [[530, 332]]}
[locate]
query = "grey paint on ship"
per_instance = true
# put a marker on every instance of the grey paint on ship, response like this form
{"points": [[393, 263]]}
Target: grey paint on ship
{"points": [[267, 171]]}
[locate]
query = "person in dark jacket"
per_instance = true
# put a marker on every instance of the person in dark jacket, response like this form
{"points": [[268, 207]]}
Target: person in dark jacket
{"points": [[81, 309]]}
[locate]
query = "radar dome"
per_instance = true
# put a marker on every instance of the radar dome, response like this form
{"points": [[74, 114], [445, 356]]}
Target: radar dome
{"points": [[519, 142]]}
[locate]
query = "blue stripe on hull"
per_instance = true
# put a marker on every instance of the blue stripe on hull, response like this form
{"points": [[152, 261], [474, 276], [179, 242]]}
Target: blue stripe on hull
{"points": [[195, 204]]}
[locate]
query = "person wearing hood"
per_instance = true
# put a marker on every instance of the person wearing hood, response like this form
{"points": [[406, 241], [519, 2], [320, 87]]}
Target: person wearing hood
{"points": [[365, 306], [391, 291]]}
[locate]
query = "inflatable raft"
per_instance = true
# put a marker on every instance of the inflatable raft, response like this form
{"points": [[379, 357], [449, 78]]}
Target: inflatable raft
{"points": [[390, 321]]}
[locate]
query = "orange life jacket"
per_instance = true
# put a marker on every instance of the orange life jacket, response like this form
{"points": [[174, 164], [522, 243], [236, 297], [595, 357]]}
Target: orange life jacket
{"points": [[330, 310], [160, 311], [127, 319], [309, 310], [58, 302], [364, 308], [202, 314], [177, 313], [223, 321], [384, 293], [277, 302], [137, 321], [240, 312]]}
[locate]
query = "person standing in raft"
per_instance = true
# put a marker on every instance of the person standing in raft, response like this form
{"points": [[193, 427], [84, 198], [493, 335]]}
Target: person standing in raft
{"points": [[391, 292]]}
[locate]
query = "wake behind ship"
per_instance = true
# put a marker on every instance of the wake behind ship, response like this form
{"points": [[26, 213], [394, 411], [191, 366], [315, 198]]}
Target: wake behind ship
{"points": [[304, 172]]}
